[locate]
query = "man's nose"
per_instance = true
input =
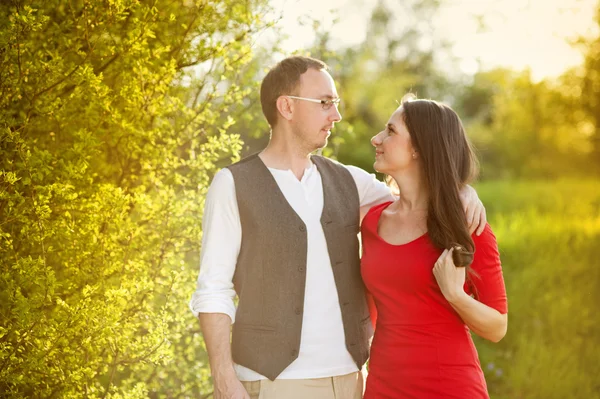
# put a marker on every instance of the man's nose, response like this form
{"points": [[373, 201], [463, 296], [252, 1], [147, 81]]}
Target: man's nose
{"points": [[336, 116]]}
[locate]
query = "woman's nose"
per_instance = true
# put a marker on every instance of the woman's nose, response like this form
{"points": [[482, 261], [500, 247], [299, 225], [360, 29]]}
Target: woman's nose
{"points": [[375, 140]]}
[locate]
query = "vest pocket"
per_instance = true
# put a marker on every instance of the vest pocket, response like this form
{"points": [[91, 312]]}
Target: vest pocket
{"points": [[353, 226], [366, 328], [253, 327]]}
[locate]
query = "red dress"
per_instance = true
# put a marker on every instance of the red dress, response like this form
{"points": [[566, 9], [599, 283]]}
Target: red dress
{"points": [[421, 348]]}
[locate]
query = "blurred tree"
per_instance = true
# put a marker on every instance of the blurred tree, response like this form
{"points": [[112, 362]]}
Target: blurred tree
{"points": [[113, 117], [525, 129], [394, 59], [591, 90]]}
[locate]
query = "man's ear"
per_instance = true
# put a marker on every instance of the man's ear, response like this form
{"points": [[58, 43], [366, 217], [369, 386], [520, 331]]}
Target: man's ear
{"points": [[285, 107]]}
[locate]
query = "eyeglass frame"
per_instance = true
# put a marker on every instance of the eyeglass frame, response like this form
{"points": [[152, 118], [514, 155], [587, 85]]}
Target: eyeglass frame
{"points": [[327, 104]]}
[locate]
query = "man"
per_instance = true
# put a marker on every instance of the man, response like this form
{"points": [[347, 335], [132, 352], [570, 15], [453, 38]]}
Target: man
{"points": [[280, 231]]}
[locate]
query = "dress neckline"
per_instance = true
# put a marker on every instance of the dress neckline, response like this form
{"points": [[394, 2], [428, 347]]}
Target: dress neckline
{"points": [[380, 238]]}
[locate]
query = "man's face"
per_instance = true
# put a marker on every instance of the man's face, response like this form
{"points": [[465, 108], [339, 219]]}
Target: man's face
{"points": [[311, 123]]}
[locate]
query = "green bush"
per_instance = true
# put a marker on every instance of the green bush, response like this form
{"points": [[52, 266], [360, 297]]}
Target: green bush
{"points": [[113, 117]]}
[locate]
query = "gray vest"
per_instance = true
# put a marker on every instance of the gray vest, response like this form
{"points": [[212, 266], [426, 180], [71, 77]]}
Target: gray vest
{"points": [[270, 273]]}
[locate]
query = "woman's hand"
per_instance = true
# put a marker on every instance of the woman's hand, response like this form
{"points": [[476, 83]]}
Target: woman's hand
{"points": [[482, 319], [451, 279]]}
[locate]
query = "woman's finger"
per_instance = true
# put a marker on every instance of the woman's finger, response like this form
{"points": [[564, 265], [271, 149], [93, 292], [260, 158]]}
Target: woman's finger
{"points": [[449, 260]]}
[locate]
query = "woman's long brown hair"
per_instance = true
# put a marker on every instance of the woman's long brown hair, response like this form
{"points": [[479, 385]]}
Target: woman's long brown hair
{"points": [[449, 163]]}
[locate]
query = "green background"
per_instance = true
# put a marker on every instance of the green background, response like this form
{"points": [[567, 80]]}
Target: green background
{"points": [[115, 115]]}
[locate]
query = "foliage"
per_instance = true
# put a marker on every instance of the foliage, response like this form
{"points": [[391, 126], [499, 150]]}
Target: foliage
{"points": [[590, 93], [373, 77], [109, 134], [524, 129]]}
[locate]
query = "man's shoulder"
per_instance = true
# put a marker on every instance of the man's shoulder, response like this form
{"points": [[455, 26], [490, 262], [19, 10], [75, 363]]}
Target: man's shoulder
{"points": [[355, 171], [222, 180], [332, 165], [243, 162], [322, 159], [335, 163]]}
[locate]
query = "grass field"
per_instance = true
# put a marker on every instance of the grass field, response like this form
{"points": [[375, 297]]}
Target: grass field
{"points": [[549, 238]]}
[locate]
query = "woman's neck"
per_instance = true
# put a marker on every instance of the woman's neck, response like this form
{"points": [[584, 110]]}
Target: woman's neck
{"points": [[413, 192]]}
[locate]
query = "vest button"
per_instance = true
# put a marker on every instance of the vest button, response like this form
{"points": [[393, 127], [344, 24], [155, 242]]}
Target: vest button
{"points": [[302, 228], [294, 352], [301, 268], [298, 310]]}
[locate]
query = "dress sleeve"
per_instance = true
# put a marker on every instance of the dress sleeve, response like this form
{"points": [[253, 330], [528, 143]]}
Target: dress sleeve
{"points": [[487, 281]]}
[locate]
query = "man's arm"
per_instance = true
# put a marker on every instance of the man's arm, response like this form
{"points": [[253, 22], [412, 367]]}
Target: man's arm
{"points": [[212, 302], [371, 191], [216, 332]]}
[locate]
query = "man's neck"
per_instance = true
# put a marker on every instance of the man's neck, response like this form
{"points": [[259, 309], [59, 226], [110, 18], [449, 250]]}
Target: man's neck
{"points": [[285, 155]]}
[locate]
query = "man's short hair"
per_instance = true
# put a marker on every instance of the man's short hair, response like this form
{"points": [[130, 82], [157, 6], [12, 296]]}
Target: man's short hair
{"points": [[283, 79]]}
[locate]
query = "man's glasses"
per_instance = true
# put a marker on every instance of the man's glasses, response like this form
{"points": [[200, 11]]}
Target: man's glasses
{"points": [[326, 104]]}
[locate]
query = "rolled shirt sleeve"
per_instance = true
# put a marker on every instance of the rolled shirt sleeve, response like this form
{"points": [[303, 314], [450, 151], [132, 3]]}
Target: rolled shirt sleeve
{"points": [[221, 241]]}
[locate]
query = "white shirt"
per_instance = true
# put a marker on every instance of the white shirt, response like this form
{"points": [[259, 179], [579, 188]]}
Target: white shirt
{"points": [[323, 350]]}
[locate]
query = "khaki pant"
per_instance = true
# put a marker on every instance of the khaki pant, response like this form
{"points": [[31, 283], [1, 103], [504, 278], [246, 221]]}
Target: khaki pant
{"points": [[349, 386]]}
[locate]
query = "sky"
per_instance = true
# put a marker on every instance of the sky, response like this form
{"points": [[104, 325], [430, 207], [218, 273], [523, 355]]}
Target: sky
{"points": [[518, 34]]}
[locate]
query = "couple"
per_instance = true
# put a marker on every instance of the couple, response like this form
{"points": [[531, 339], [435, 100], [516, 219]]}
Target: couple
{"points": [[280, 232]]}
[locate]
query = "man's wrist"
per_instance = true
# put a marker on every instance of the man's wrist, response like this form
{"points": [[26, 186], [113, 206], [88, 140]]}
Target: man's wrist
{"points": [[223, 373]]}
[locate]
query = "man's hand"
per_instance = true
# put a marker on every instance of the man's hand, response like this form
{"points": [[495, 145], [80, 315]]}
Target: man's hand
{"points": [[229, 387], [474, 209], [216, 328]]}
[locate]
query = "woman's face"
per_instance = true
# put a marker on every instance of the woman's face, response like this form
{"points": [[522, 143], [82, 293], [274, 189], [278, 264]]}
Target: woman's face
{"points": [[393, 146]]}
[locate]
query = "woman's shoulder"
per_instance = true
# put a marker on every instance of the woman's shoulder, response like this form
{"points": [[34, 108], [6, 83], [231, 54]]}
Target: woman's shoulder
{"points": [[486, 245], [377, 209], [486, 237], [373, 214]]}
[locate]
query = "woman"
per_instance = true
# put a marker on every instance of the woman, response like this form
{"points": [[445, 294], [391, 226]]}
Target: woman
{"points": [[431, 281]]}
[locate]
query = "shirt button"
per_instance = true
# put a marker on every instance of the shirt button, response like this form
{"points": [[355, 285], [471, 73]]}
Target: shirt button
{"points": [[302, 228], [298, 310]]}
